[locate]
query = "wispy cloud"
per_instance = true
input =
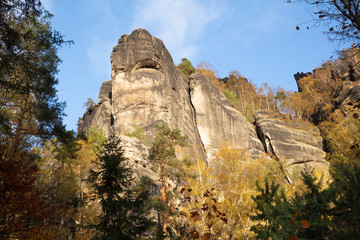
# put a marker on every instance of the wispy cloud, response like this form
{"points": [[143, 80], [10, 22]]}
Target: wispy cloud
{"points": [[178, 23], [48, 5], [258, 20], [99, 55]]}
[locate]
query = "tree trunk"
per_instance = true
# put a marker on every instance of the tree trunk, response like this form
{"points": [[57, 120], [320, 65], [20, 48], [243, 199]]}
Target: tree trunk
{"points": [[163, 195], [19, 128]]}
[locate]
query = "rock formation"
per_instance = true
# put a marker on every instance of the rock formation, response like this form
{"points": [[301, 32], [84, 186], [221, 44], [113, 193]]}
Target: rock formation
{"points": [[217, 121], [146, 88], [294, 143]]}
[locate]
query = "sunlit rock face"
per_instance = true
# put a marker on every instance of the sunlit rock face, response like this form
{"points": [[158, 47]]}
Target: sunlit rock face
{"points": [[146, 88], [218, 122], [296, 144]]}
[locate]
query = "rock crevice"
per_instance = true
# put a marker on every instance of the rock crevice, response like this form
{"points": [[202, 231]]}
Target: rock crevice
{"points": [[293, 143]]}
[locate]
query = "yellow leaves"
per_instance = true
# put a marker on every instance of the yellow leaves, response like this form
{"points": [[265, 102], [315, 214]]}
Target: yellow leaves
{"points": [[342, 133], [220, 198], [195, 215]]}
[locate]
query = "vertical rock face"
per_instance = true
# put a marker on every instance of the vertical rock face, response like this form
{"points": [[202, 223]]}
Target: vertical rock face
{"points": [[146, 88], [217, 121], [99, 116]]}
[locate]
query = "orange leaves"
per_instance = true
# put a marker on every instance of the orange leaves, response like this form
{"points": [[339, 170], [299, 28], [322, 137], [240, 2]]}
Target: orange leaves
{"points": [[305, 223], [293, 237], [196, 216]]}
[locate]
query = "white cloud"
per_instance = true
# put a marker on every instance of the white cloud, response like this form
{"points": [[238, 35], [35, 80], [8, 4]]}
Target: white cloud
{"points": [[178, 23], [48, 5], [99, 55]]}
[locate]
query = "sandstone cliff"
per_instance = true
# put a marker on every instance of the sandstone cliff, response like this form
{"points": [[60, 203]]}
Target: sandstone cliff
{"points": [[146, 87], [218, 122], [296, 144]]}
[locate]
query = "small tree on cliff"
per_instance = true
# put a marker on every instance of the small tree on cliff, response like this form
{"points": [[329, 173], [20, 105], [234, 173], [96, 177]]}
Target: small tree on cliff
{"points": [[186, 67], [122, 213], [162, 152]]}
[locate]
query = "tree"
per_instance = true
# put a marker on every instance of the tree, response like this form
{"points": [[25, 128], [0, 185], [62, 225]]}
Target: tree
{"points": [[272, 209], [29, 107], [29, 114], [211, 73], [186, 67], [122, 213], [341, 17], [317, 211], [346, 198], [163, 153]]}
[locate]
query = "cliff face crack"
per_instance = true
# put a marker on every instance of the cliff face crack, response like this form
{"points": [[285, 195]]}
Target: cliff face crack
{"points": [[261, 137], [194, 118], [269, 148]]}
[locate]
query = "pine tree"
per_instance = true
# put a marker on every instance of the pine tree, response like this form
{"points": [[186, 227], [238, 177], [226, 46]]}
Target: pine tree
{"points": [[186, 67], [122, 213], [162, 152], [273, 209], [346, 198]]}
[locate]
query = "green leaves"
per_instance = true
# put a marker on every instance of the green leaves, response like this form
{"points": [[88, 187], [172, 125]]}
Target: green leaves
{"points": [[186, 67], [123, 213]]}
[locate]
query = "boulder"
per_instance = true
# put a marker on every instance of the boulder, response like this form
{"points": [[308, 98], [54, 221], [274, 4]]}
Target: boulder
{"points": [[296, 144]]}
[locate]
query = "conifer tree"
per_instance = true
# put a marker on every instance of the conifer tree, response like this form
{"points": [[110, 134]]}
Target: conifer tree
{"points": [[186, 67], [273, 208], [162, 152], [122, 213]]}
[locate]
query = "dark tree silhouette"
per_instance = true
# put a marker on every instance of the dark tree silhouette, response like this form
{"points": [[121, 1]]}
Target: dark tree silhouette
{"points": [[341, 17], [122, 213]]}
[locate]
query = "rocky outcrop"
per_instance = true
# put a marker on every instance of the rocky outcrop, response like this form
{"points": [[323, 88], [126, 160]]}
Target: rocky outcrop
{"points": [[99, 116], [348, 95], [217, 121], [296, 144], [146, 88]]}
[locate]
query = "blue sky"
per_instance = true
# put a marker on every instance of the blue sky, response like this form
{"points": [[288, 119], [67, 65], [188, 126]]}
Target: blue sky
{"points": [[255, 37]]}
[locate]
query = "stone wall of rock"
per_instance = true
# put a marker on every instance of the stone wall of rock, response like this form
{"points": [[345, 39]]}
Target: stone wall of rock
{"points": [[296, 144], [99, 116], [218, 122], [146, 88]]}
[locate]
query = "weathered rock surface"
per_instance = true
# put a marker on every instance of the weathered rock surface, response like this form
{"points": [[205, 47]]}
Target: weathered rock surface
{"points": [[217, 121], [349, 94], [296, 144], [146, 88], [136, 153], [99, 116]]}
